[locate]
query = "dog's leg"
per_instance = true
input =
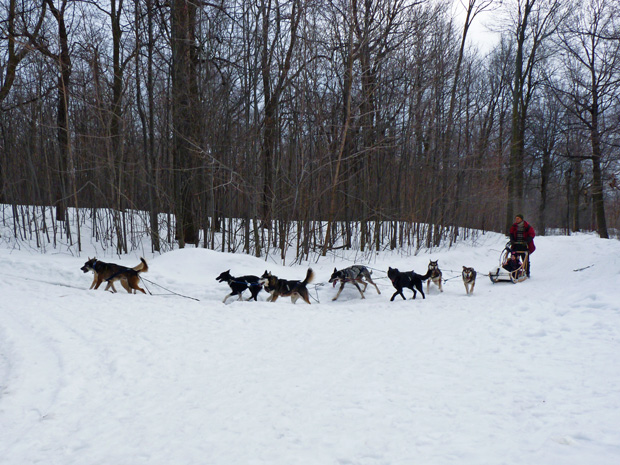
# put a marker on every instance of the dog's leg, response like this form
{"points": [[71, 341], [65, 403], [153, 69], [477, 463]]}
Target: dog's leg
{"points": [[110, 287], [229, 295], [359, 289], [294, 297], [339, 290], [439, 284], [471, 288], [304, 295], [99, 281], [420, 287], [138, 288], [466, 288], [251, 293], [126, 285], [373, 283], [399, 292], [94, 280], [134, 283]]}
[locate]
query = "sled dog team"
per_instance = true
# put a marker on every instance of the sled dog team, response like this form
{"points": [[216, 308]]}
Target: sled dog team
{"points": [[129, 278], [356, 275]]}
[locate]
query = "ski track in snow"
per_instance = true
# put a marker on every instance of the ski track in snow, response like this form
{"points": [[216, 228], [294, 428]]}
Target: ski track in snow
{"points": [[513, 374]]}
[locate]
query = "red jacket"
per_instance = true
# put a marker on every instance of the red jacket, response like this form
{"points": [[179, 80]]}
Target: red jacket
{"points": [[528, 235]]}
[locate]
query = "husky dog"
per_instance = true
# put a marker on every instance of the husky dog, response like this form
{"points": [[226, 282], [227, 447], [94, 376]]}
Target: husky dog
{"points": [[285, 288], [469, 279], [240, 284], [111, 272], [409, 279], [354, 274], [434, 275]]}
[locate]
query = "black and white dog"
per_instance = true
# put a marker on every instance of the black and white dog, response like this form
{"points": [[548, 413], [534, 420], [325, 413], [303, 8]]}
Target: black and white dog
{"points": [[409, 279], [286, 288], [469, 279], [354, 274], [240, 284], [434, 275]]}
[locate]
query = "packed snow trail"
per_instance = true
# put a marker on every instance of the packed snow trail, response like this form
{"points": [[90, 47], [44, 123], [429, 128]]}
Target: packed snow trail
{"points": [[512, 374]]}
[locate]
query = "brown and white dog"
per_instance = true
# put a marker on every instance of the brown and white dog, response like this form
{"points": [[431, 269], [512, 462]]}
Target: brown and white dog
{"points": [[469, 279], [285, 288], [111, 272], [434, 275]]}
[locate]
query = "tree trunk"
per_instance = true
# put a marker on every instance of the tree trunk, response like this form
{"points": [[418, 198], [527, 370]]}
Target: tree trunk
{"points": [[597, 175], [62, 116], [185, 118]]}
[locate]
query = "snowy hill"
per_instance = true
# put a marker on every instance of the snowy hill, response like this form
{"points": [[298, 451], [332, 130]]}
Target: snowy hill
{"points": [[513, 374]]}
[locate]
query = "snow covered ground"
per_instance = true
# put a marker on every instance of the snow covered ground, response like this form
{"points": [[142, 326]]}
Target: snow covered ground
{"points": [[514, 374]]}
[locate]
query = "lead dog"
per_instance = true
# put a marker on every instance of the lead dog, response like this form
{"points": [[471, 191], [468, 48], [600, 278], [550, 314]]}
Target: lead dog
{"points": [[111, 272], [409, 279], [354, 274], [469, 279], [240, 284], [285, 288]]}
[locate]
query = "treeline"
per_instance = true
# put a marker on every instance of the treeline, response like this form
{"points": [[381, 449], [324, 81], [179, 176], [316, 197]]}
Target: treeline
{"points": [[345, 120]]}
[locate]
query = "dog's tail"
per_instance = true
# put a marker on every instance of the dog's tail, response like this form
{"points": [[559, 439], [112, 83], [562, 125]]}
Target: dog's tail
{"points": [[426, 276], [141, 267], [309, 277]]}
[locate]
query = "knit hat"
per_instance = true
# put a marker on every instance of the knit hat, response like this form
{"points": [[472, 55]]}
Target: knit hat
{"points": [[519, 215]]}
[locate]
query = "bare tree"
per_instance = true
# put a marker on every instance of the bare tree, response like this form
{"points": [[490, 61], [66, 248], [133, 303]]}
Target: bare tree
{"points": [[147, 118], [19, 41], [278, 42], [534, 21], [373, 116], [65, 172], [590, 43], [472, 9], [547, 132], [185, 117], [350, 53]]}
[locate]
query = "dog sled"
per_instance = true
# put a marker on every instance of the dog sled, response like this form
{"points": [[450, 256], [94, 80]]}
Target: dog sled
{"points": [[511, 267]]}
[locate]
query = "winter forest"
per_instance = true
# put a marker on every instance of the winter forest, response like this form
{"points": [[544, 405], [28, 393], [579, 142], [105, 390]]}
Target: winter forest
{"points": [[288, 125]]}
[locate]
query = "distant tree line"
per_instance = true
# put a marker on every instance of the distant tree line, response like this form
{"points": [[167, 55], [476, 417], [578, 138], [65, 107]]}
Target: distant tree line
{"points": [[366, 121]]}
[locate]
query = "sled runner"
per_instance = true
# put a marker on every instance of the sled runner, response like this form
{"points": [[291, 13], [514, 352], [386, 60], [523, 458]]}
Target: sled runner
{"points": [[511, 268]]}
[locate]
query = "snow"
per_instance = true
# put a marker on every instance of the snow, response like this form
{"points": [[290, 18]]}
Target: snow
{"points": [[522, 373]]}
